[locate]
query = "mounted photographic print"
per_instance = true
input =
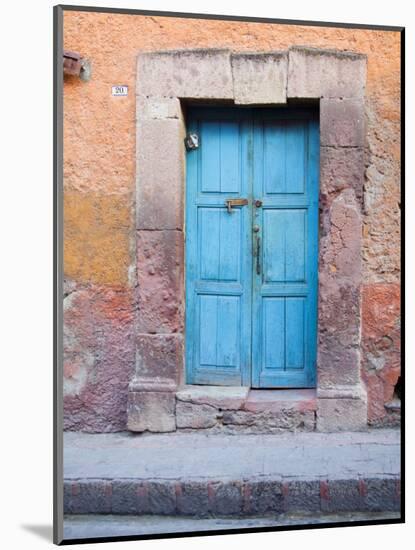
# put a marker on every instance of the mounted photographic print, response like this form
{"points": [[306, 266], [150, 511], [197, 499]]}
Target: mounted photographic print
{"points": [[228, 250]]}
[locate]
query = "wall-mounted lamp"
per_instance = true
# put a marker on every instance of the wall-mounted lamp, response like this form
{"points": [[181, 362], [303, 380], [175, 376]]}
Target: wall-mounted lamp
{"points": [[76, 65]]}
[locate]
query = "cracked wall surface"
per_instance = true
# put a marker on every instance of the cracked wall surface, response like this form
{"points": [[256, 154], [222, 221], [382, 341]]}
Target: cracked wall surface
{"points": [[100, 211]]}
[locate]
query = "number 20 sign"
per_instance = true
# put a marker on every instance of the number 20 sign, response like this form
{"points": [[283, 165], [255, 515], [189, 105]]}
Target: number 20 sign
{"points": [[120, 90]]}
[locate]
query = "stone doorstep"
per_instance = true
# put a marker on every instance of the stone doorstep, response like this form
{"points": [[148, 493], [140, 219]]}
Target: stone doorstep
{"points": [[246, 399], [244, 410], [277, 400], [236, 409], [230, 497]]}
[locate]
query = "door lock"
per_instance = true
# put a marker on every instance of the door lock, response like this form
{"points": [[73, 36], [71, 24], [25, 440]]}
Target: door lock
{"points": [[235, 202], [258, 203]]}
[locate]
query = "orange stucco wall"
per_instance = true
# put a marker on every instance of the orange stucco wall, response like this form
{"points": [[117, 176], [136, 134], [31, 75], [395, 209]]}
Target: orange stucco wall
{"points": [[99, 149]]}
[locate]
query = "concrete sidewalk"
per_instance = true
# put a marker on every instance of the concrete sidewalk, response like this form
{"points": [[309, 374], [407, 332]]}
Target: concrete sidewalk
{"points": [[90, 526], [196, 474]]}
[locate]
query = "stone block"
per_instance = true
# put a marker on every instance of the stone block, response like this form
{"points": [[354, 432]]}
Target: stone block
{"points": [[340, 246], [265, 497], [160, 174], [277, 401], [159, 356], [151, 411], [260, 78], [193, 499], [347, 413], [314, 73], [91, 497], [337, 363], [158, 108], [242, 418], [381, 495], [228, 498], [342, 168], [342, 123], [124, 497], [67, 497], [301, 496], [266, 422], [342, 496], [203, 73], [190, 415], [220, 397], [159, 276], [161, 498]]}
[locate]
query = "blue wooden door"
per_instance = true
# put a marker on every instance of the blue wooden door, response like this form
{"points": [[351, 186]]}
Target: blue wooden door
{"points": [[218, 250], [251, 268], [285, 223]]}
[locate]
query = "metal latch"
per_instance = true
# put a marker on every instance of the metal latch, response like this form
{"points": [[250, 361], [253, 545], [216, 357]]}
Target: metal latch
{"points": [[191, 141], [235, 202]]}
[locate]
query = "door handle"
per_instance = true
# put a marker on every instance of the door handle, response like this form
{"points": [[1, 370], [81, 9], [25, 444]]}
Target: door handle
{"points": [[257, 254], [235, 202]]}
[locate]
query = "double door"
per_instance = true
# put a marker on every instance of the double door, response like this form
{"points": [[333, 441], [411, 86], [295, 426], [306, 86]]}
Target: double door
{"points": [[251, 243]]}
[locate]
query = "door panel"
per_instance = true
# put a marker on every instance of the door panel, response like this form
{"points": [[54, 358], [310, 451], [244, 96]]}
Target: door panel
{"points": [[220, 158], [219, 232], [294, 333], [218, 253], [219, 331], [284, 156], [285, 182], [251, 274], [273, 352], [284, 233]]}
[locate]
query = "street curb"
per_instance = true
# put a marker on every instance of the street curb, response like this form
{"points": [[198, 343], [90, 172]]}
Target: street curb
{"points": [[204, 498]]}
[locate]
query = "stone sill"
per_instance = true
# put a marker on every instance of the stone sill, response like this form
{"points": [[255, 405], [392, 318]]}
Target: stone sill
{"points": [[251, 400]]}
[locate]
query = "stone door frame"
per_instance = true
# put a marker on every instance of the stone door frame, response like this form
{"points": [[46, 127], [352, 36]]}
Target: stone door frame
{"points": [[166, 80]]}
